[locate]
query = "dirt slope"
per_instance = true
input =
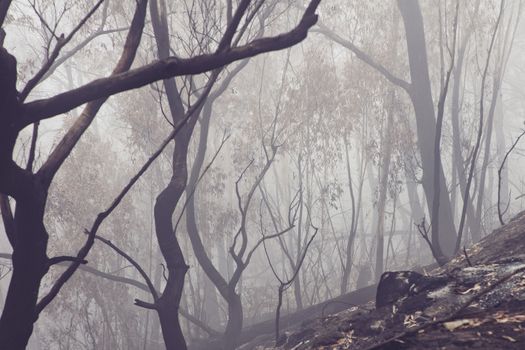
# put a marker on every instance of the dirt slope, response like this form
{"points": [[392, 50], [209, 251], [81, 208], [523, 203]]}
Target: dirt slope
{"points": [[480, 305]]}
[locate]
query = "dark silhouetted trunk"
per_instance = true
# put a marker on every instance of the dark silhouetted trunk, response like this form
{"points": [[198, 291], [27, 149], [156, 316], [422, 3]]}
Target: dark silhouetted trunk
{"points": [[29, 266], [25, 231]]}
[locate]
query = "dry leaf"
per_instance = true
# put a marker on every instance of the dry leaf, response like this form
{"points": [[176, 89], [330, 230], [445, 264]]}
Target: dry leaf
{"points": [[501, 317], [509, 338], [476, 287], [452, 325], [409, 321]]}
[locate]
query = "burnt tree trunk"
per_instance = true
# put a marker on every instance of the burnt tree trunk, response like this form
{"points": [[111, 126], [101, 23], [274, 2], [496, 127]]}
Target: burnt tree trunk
{"points": [[27, 235], [30, 264]]}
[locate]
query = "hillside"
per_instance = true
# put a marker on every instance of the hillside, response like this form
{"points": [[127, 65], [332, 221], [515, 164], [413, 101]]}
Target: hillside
{"points": [[476, 301]]}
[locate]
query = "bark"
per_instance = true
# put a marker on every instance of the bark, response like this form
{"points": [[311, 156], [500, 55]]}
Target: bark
{"points": [[4, 7], [235, 320]]}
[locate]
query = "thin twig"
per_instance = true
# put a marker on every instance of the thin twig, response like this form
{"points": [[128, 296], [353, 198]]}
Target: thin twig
{"points": [[500, 213], [133, 262], [467, 257]]}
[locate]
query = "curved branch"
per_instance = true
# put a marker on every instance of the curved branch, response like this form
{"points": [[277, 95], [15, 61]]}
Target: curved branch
{"points": [[66, 275], [61, 42], [162, 69], [139, 285], [364, 57], [68, 142], [135, 264], [500, 213], [62, 259], [60, 60]]}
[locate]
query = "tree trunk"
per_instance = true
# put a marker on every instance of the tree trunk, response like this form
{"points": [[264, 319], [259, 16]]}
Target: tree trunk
{"points": [[168, 303], [501, 150], [235, 321], [386, 154], [27, 235], [30, 264], [421, 96], [457, 157], [476, 232], [168, 311]]}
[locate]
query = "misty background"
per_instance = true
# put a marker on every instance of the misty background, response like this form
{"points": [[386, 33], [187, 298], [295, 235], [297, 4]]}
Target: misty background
{"points": [[309, 164]]}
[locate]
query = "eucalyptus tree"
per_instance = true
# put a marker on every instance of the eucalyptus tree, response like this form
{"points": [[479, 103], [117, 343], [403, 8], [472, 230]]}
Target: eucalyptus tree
{"points": [[420, 93]]}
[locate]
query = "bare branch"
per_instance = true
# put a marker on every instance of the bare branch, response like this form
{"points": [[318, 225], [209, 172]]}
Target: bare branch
{"points": [[194, 188], [61, 259], [63, 58], [263, 239], [162, 69], [500, 214], [135, 283], [44, 22], [133, 262], [63, 149], [232, 26], [475, 151], [66, 275], [364, 57], [145, 305], [424, 231], [61, 42]]}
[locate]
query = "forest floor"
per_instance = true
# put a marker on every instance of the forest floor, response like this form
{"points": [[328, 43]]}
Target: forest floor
{"points": [[471, 303]]}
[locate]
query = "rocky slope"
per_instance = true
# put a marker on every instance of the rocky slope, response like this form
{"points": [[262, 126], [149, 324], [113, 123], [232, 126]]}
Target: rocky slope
{"points": [[477, 301]]}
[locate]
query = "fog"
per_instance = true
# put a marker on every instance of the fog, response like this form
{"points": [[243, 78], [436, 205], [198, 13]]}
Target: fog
{"points": [[192, 174]]}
